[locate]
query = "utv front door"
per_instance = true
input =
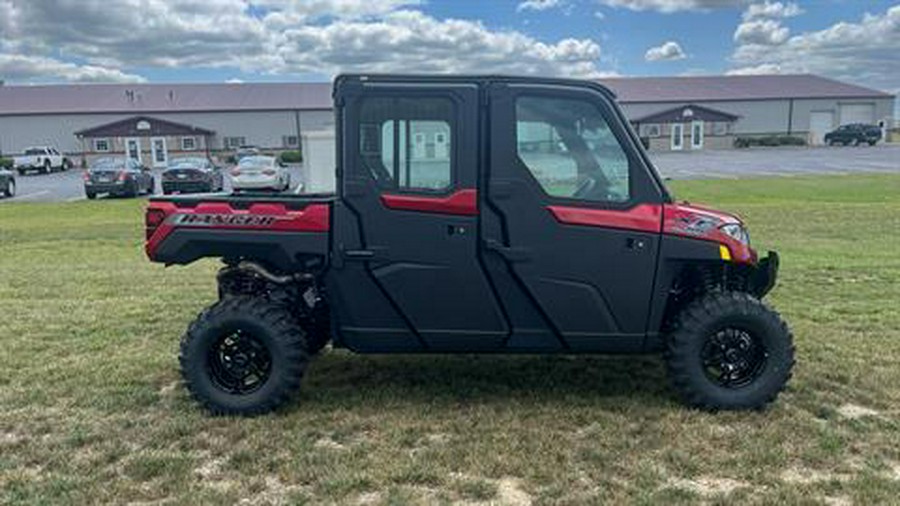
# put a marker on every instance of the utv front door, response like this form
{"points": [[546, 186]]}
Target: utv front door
{"points": [[406, 273], [579, 212]]}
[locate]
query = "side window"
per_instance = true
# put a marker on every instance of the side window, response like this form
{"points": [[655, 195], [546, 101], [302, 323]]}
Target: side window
{"points": [[570, 150], [406, 143]]}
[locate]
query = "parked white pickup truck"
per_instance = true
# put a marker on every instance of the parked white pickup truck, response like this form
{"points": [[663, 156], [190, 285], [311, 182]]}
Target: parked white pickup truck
{"points": [[41, 158]]}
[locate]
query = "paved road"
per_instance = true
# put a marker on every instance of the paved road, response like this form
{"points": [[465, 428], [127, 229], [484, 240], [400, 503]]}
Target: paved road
{"points": [[727, 164]]}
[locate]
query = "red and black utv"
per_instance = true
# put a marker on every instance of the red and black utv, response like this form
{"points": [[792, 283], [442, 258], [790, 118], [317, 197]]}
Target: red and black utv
{"points": [[475, 214]]}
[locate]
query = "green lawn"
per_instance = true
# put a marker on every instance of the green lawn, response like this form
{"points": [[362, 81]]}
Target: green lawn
{"points": [[91, 409]]}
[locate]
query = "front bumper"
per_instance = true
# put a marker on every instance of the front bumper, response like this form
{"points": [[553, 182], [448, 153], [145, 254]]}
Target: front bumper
{"points": [[762, 279]]}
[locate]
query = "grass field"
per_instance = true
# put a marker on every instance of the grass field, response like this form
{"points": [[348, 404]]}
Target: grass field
{"points": [[91, 409]]}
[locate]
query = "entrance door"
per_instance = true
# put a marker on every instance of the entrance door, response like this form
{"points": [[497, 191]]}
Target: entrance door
{"points": [[133, 148], [406, 270], [696, 135], [579, 216], [820, 123], [677, 136], [159, 151]]}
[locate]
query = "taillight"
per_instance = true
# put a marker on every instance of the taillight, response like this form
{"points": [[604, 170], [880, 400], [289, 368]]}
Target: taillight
{"points": [[152, 220], [123, 176], [86, 176]]}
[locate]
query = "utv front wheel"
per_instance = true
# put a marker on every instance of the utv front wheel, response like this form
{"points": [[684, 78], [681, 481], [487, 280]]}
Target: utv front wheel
{"points": [[243, 356], [729, 351]]}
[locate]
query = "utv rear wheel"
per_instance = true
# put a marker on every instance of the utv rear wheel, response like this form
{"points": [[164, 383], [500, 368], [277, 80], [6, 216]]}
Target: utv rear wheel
{"points": [[243, 356], [729, 351]]}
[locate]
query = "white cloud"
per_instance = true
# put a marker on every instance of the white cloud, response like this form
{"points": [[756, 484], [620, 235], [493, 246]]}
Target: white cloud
{"points": [[756, 70], [413, 41], [25, 68], [765, 32], [673, 5], [668, 51], [864, 52], [773, 10], [538, 5], [319, 37]]}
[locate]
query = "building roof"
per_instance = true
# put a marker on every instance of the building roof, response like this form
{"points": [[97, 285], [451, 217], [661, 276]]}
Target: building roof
{"points": [[687, 112], [160, 98], [142, 126], [730, 88]]}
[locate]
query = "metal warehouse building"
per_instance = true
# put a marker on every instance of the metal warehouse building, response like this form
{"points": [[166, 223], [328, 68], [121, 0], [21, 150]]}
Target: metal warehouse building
{"points": [[153, 122]]}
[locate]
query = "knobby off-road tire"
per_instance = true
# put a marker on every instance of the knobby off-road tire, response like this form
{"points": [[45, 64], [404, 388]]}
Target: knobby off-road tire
{"points": [[729, 351], [257, 335]]}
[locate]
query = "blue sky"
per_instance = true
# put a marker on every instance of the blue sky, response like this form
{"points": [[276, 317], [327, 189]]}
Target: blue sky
{"points": [[279, 40]]}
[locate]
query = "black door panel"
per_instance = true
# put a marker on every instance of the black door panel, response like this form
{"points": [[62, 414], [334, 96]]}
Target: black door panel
{"points": [[591, 284], [411, 165]]}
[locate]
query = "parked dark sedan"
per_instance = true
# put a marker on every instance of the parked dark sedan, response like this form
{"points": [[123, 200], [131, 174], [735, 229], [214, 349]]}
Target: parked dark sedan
{"points": [[123, 176], [854, 133], [191, 175], [7, 183]]}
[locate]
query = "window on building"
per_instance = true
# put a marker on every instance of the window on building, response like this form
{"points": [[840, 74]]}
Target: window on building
{"points": [[101, 145], [234, 142], [188, 143], [651, 130], [721, 128], [406, 142], [570, 150], [290, 141]]}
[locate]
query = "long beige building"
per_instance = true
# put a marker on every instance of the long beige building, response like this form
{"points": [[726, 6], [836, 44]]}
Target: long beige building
{"points": [[154, 122]]}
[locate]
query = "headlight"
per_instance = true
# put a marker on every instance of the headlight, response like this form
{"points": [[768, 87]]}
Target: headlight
{"points": [[736, 232]]}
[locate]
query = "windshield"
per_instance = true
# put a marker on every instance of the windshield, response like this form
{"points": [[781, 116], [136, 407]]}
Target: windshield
{"points": [[34, 151], [108, 163], [257, 162]]}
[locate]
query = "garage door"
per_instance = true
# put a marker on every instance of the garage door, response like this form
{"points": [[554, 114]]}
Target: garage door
{"points": [[857, 113], [820, 123]]}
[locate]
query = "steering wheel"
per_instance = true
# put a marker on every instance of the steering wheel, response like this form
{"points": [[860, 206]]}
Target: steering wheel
{"points": [[585, 187]]}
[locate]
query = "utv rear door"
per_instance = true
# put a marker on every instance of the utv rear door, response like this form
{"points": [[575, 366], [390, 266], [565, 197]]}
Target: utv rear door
{"points": [[579, 212], [406, 270]]}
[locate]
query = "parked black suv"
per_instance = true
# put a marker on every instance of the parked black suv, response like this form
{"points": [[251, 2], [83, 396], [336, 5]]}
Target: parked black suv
{"points": [[855, 134]]}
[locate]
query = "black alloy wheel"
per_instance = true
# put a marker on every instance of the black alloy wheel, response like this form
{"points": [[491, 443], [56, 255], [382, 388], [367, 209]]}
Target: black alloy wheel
{"points": [[733, 358], [239, 363]]}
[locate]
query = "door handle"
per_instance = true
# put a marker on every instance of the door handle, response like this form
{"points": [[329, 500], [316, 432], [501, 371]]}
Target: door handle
{"points": [[510, 253]]}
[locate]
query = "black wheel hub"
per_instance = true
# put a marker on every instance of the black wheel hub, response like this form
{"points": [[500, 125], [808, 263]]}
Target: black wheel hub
{"points": [[733, 358], [239, 363]]}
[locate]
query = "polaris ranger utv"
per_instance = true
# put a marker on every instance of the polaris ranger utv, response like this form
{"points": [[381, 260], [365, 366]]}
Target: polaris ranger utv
{"points": [[475, 214]]}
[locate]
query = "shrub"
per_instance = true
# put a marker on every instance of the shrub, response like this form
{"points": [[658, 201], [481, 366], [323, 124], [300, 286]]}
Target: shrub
{"points": [[6, 163], [291, 157], [769, 141]]}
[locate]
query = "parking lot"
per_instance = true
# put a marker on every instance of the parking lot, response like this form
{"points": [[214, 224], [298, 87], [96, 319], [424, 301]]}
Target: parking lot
{"points": [[69, 186], [724, 164]]}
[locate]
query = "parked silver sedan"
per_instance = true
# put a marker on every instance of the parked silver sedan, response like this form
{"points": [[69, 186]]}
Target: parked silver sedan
{"points": [[260, 173]]}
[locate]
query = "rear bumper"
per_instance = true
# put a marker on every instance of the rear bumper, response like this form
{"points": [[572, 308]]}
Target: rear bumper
{"points": [[764, 275], [117, 187], [186, 186]]}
